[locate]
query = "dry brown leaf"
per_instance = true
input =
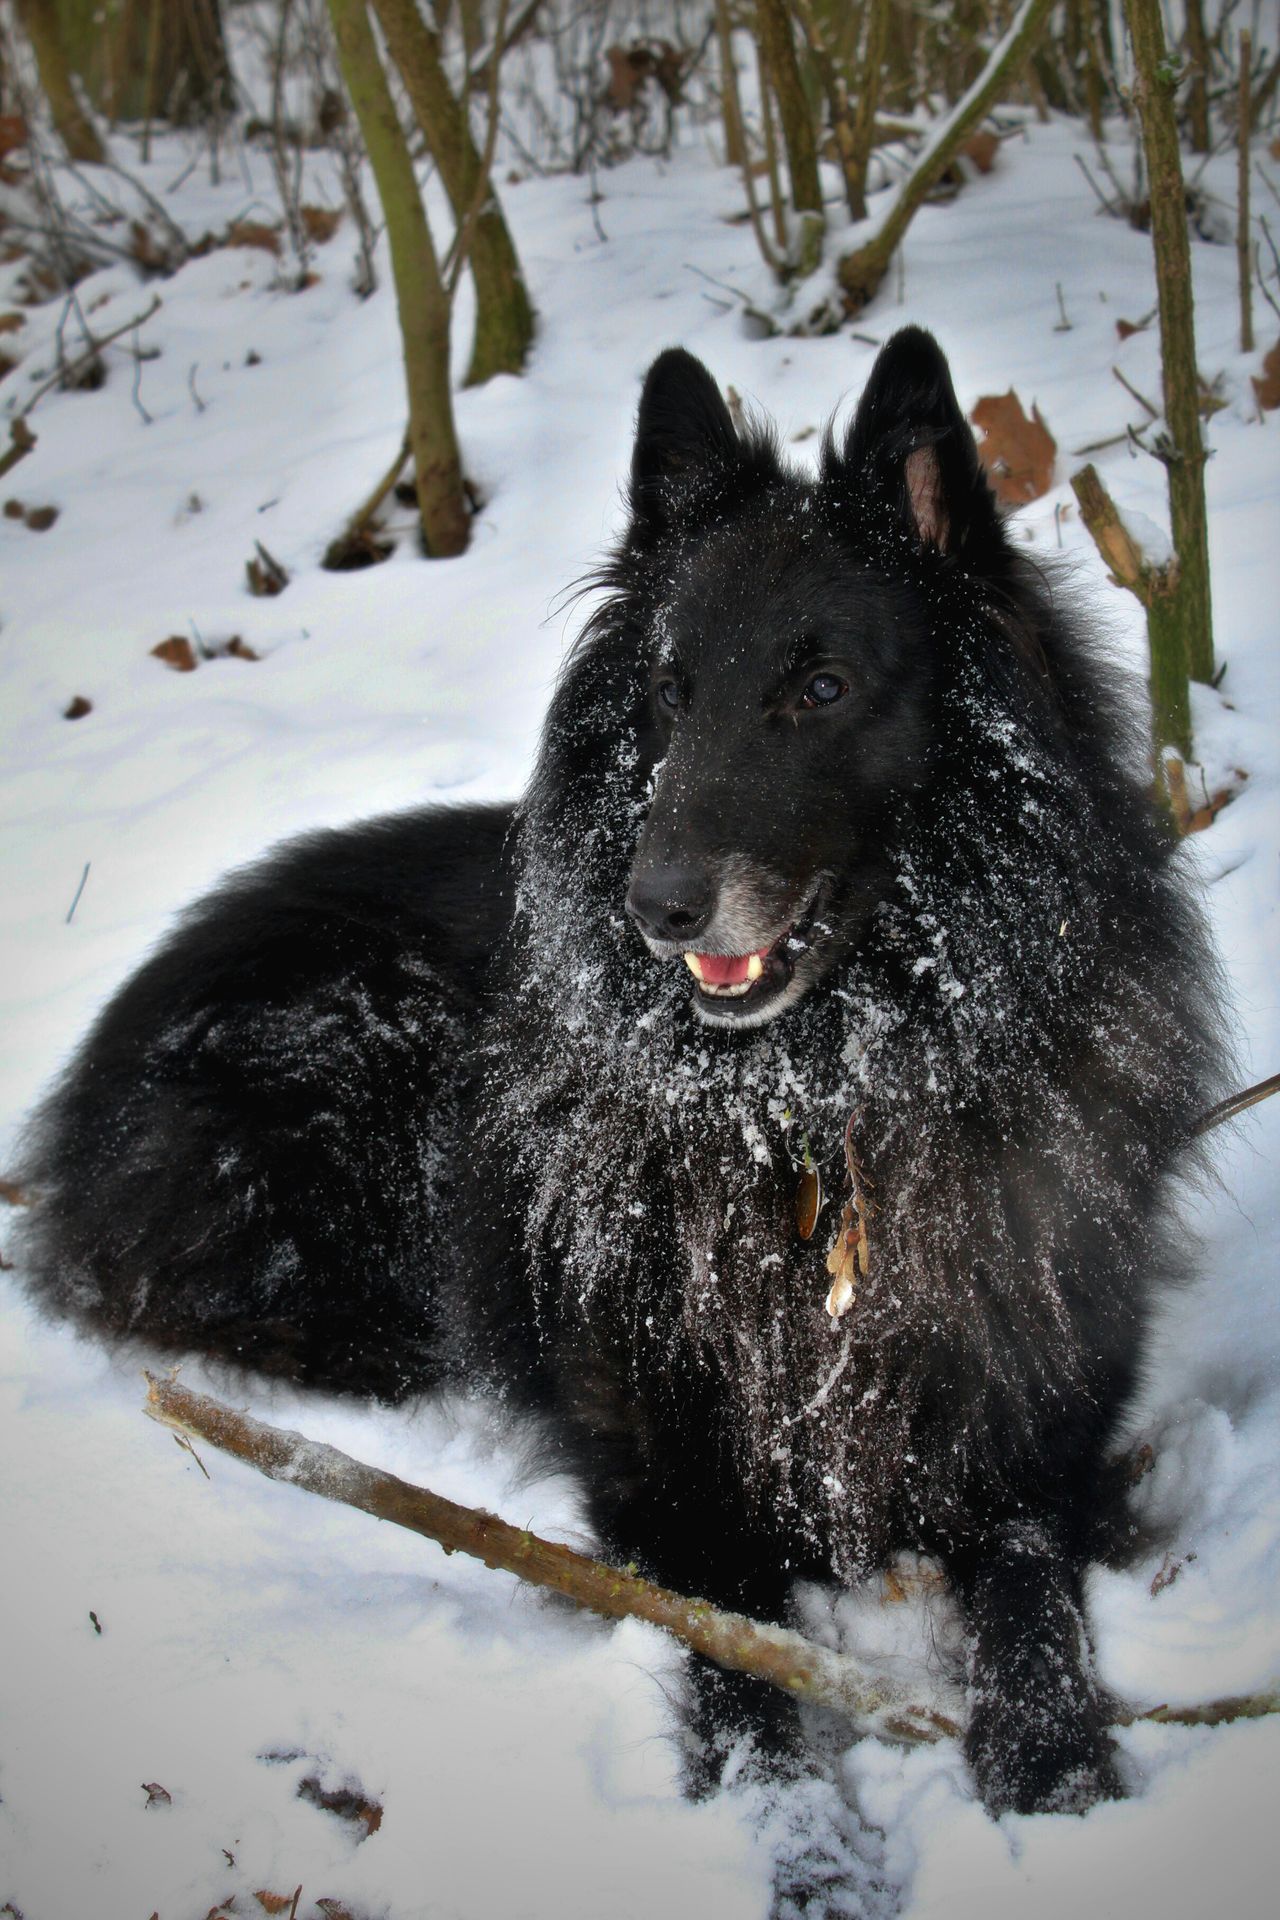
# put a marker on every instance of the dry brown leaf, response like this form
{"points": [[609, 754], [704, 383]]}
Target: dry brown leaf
{"points": [[348, 1803], [78, 708], [1190, 816], [1127, 328], [40, 519], [274, 1902], [10, 322], [157, 1796], [1017, 452], [13, 133], [1267, 388], [176, 652], [240, 649], [252, 233], [981, 149], [12, 1194], [320, 223]]}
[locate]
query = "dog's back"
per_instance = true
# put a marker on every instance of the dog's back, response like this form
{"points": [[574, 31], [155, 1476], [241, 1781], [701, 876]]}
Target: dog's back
{"points": [[254, 1153]]}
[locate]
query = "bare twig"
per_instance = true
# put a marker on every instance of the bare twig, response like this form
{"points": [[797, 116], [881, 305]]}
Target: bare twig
{"points": [[1243, 263], [1236, 1103], [70, 368], [359, 522], [1153, 413], [457, 257]]}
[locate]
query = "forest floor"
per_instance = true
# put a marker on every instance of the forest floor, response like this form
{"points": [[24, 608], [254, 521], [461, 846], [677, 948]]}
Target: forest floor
{"points": [[227, 1640]]}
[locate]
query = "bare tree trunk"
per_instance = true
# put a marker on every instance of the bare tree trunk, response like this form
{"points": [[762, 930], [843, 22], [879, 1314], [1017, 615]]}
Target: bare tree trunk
{"points": [[149, 59], [504, 311], [1198, 90], [864, 124], [1183, 455], [861, 271], [77, 132], [774, 26], [1244, 263], [735, 147], [420, 294]]}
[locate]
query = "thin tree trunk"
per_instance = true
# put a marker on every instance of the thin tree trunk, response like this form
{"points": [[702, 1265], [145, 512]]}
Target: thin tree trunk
{"points": [[861, 271], [864, 124], [1198, 90], [735, 147], [1184, 455], [504, 312], [77, 132], [1244, 263], [774, 23], [420, 294]]}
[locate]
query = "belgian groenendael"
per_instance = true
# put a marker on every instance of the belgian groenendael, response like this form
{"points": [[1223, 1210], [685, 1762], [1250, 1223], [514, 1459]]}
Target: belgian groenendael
{"points": [[837, 866]]}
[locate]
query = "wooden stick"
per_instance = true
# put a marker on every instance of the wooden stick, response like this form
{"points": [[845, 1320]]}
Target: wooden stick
{"points": [[774, 1654]]}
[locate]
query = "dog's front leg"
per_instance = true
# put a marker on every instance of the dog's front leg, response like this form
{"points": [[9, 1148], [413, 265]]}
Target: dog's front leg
{"points": [[1037, 1738]]}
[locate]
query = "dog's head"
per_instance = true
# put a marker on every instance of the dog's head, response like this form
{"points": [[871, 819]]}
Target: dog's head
{"points": [[790, 627]]}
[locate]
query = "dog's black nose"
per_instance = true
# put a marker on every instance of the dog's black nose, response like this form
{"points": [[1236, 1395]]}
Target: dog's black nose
{"points": [[672, 903]]}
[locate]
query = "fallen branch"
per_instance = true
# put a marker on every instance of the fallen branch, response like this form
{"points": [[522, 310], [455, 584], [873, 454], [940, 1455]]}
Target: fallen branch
{"points": [[860, 272], [774, 1654], [731, 1640]]}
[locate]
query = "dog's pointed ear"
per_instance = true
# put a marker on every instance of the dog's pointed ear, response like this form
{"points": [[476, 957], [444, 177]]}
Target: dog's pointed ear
{"points": [[684, 437], [911, 442]]}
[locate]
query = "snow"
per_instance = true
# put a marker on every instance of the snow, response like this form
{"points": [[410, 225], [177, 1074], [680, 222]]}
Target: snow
{"points": [[250, 1634]]}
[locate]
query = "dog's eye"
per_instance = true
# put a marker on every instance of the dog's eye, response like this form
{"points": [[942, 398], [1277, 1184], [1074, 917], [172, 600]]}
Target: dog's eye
{"points": [[668, 694], [823, 690]]}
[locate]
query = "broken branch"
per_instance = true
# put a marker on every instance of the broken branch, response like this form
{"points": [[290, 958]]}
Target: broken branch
{"points": [[775, 1654]]}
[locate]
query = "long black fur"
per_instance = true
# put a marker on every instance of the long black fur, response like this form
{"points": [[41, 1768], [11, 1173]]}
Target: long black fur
{"points": [[416, 1097]]}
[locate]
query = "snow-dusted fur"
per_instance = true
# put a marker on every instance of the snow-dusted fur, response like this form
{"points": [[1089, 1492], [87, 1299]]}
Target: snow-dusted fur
{"points": [[422, 1089]]}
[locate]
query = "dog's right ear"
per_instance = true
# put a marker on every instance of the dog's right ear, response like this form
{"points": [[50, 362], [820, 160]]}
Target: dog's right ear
{"points": [[685, 439]]}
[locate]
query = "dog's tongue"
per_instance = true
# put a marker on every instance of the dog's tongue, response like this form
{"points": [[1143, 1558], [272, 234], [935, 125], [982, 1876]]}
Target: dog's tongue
{"points": [[725, 969]]}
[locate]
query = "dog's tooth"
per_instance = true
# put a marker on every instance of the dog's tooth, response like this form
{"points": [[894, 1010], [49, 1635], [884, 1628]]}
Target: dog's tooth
{"points": [[755, 967], [694, 965]]}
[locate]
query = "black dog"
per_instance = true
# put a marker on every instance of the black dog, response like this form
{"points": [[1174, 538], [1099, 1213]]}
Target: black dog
{"points": [[836, 866]]}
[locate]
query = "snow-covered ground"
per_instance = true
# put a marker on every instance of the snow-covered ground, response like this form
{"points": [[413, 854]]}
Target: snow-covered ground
{"points": [[227, 1639]]}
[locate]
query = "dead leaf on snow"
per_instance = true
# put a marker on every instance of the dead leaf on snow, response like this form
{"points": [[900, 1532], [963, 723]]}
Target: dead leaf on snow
{"points": [[320, 223], [252, 233], [1017, 452], [1267, 388], [981, 149], [176, 652], [78, 708]]}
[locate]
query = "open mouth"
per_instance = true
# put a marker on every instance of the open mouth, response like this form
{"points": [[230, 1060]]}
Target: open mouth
{"points": [[738, 983]]}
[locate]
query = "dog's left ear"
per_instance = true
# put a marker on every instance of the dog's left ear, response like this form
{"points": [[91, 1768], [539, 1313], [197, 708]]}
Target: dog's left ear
{"points": [[910, 439], [685, 438]]}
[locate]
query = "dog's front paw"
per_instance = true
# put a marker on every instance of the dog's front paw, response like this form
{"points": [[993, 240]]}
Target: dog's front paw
{"points": [[1035, 1753]]}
